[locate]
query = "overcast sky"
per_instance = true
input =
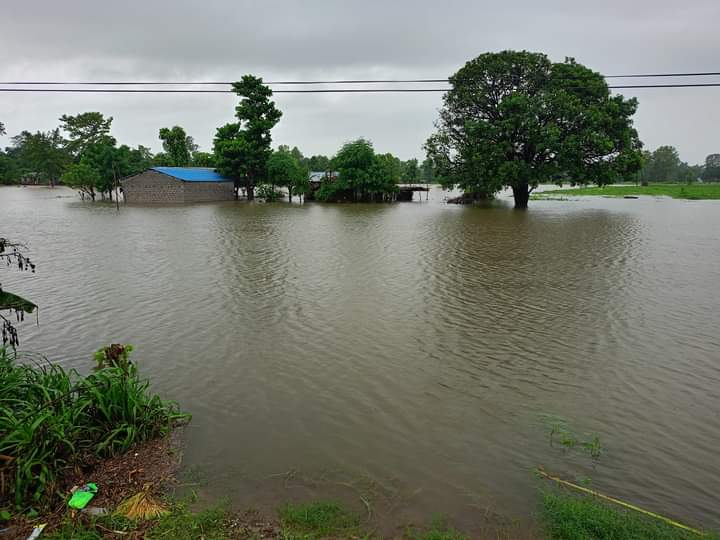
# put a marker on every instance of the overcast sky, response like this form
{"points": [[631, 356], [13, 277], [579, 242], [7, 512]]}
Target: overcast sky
{"points": [[173, 40]]}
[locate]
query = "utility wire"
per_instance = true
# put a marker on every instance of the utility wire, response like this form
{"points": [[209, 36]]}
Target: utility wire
{"points": [[340, 81], [313, 91]]}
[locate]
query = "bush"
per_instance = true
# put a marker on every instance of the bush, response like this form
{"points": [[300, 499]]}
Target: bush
{"points": [[51, 418]]}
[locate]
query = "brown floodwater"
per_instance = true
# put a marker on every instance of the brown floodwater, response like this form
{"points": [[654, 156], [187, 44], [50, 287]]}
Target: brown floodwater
{"points": [[410, 358]]}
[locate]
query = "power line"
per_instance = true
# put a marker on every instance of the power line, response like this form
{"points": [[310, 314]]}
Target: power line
{"points": [[338, 81], [312, 91]]}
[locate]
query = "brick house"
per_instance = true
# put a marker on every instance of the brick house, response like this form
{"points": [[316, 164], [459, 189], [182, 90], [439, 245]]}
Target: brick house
{"points": [[159, 185]]}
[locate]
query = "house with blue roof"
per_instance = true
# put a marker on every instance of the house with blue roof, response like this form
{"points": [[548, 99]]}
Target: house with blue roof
{"points": [[160, 185]]}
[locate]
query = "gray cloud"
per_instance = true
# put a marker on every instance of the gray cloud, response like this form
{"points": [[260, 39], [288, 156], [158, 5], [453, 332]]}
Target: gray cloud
{"points": [[292, 39]]}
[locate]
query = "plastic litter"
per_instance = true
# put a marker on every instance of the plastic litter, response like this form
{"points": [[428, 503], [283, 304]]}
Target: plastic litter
{"points": [[82, 496], [37, 531]]}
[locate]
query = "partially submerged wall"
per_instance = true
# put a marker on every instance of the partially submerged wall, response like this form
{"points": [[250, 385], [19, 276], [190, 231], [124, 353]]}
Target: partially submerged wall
{"points": [[152, 187]]}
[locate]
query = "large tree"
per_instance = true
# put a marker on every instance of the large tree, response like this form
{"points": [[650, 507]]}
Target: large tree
{"points": [[711, 172], [516, 119], [178, 146], [242, 148], [82, 177], [284, 169], [41, 155], [84, 129], [363, 175]]}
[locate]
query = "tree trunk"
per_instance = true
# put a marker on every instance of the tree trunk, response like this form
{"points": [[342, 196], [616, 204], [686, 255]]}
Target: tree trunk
{"points": [[521, 194], [289, 193], [250, 192]]}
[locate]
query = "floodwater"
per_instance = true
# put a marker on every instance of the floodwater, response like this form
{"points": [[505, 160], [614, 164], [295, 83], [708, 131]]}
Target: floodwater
{"points": [[412, 358]]}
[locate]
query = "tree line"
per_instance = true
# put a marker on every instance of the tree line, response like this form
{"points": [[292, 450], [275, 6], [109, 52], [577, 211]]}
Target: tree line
{"points": [[664, 165], [512, 119], [81, 153]]}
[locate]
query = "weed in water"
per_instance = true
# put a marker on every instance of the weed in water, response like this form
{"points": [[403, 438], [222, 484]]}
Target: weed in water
{"points": [[438, 530]]}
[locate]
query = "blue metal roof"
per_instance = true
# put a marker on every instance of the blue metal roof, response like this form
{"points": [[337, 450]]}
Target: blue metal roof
{"points": [[192, 174]]}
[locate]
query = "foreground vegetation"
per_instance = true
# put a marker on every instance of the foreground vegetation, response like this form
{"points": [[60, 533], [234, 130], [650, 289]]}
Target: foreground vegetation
{"points": [[52, 419], [295, 522], [676, 191], [567, 517], [563, 517]]}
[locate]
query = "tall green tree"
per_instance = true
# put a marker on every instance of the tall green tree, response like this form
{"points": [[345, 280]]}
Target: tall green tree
{"points": [[284, 169], [203, 159], [242, 149], [318, 163], [410, 171], [665, 165], [42, 155], [110, 162], [711, 172], [82, 177], [84, 129], [178, 146], [662, 165], [516, 119], [362, 174]]}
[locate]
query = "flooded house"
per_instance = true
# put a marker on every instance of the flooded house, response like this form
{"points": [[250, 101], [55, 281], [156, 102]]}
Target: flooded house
{"points": [[159, 185]]}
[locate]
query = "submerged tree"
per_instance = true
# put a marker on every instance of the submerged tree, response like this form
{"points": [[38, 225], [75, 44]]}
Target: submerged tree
{"points": [[285, 170], [363, 176], [82, 177], [242, 149], [515, 119], [41, 154], [13, 306]]}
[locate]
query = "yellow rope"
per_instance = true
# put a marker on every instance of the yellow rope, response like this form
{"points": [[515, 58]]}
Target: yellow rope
{"points": [[621, 503]]}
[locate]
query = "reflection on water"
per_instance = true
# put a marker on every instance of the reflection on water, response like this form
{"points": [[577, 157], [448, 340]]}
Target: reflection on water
{"points": [[409, 353]]}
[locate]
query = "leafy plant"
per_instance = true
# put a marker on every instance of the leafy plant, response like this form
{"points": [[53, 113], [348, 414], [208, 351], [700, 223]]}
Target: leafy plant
{"points": [[52, 418]]}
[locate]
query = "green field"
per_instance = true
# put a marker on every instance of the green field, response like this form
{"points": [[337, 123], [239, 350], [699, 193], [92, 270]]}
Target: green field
{"points": [[676, 191]]}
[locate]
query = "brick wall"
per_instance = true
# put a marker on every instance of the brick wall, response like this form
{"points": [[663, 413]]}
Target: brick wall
{"points": [[209, 191], [153, 187]]}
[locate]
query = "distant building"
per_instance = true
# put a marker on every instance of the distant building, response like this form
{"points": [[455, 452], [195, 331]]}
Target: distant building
{"points": [[177, 185]]}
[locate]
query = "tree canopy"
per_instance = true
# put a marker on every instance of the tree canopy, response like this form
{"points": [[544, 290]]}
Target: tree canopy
{"points": [[178, 147], [516, 119], [84, 129], [711, 172], [242, 149], [284, 169], [664, 165], [362, 174], [82, 177], [41, 155]]}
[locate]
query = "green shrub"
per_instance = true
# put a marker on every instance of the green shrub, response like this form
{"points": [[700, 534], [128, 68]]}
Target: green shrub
{"points": [[50, 418]]}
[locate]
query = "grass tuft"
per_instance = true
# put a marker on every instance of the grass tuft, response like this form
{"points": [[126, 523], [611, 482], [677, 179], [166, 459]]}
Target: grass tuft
{"points": [[318, 519], [567, 517]]}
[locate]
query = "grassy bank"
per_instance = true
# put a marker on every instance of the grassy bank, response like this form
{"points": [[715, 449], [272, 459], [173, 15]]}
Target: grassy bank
{"points": [[563, 516], [676, 191], [569, 517], [311, 521], [55, 422]]}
